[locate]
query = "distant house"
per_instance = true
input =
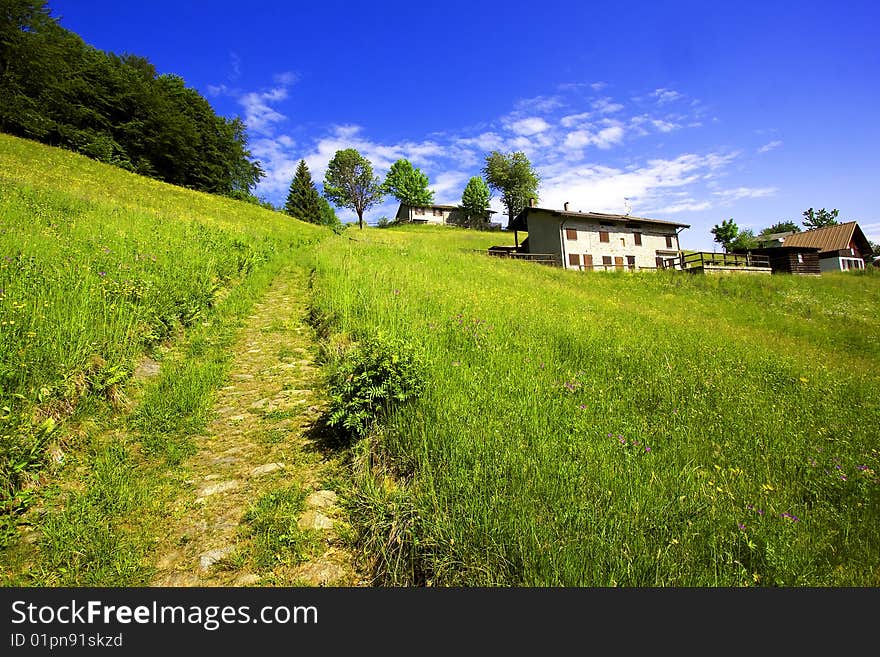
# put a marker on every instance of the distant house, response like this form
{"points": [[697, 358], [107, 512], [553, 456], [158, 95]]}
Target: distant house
{"points": [[594, 240], [434, 214], [841, 247], [803, 260]]}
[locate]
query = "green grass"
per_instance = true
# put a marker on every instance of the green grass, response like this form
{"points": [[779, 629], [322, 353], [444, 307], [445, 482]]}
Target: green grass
{"points": [[98, 266], [652, 429]]}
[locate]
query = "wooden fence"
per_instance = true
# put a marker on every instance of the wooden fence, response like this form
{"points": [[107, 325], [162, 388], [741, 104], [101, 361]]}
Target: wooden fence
{"points": [[703, 260]]}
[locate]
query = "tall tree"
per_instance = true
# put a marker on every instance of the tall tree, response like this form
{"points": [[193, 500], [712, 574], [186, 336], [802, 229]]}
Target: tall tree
{"points": [[303, 200], [725, 233], [475, 201], [514, 178], [408, 184], [349, 183], [781, 227], [819, 218]]}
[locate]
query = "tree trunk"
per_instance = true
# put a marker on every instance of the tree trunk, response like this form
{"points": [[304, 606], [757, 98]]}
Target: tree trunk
{"points": [[360, 219]]}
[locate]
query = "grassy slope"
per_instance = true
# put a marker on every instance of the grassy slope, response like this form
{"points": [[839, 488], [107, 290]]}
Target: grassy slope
{"points": [[98, 265], [597, 429]]}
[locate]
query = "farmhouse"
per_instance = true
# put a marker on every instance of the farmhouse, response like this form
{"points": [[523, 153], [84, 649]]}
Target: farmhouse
{"points": [[594, 240], [840, 247], [433, 214]]}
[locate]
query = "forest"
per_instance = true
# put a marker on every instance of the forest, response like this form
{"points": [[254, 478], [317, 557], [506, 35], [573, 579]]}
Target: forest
{"points": [[115, 108]]}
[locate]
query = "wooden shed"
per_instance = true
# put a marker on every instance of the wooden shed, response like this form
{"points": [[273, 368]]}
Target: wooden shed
{"points": [[802, 260]]}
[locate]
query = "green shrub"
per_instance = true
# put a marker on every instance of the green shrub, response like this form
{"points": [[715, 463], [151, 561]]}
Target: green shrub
{"points": [[368, 380]]}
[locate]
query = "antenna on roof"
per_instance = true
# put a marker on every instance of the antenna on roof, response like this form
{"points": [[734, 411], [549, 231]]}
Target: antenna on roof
{"points": [[626, 205]]}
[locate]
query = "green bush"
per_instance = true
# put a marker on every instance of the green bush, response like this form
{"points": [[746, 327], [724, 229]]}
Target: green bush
{"points": [[368, 380]]}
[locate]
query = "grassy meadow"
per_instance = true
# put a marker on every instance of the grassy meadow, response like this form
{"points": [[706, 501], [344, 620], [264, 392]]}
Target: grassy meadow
{"points": [[97, 267], [602, 429], [578, 429]]}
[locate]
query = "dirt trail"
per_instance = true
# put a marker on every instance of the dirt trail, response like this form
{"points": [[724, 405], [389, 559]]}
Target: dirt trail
{"points": [[259, 442]]}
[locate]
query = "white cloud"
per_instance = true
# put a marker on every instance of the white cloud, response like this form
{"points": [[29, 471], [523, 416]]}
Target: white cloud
{"points": [[664, 126], [487, 141], [598, 86], [606, 106], [573, 119], [449, 185], [529, 126], [540, 104], [654, 187], [766, 148], [604, 139], [665, 96], [731, 195]]}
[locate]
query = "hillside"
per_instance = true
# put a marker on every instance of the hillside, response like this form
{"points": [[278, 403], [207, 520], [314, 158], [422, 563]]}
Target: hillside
{"points": [[583, 429], [127, 304], [171, 362]]}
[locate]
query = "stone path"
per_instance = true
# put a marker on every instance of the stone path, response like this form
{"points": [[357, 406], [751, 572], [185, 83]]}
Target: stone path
{"points": [[259, 443]]}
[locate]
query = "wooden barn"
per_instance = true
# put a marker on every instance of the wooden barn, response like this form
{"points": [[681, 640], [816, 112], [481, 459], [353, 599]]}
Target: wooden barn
{"points": [[803, 260]]}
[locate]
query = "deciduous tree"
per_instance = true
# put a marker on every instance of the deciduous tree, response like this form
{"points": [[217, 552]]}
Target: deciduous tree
{"points": [[819, 218], [408, 184], [475, 201], [349, 183], [725, 233], [514, 178], [781, 227]]}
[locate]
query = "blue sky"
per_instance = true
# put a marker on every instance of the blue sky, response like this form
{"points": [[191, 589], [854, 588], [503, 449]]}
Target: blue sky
{"points": [[693, 111]]}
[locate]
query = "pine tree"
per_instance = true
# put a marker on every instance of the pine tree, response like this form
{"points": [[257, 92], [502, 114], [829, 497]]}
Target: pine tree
{"points": [[303, 201]]}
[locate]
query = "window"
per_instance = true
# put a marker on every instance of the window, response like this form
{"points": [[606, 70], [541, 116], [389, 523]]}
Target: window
{"points": [[669, 241], [622, 241], [438, 212], [420, 210], [571, 234], [631, 262], [637, 239], [800, 258], [603, 235], [574, 259], [606, 260], [588, 261]]}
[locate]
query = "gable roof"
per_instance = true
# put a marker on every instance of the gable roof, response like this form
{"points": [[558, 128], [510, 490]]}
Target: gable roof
{"points": [[831, 238], [435, 206], [520, 222]]}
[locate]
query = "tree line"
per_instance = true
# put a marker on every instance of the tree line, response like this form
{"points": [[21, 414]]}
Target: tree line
{"points": [[60, 91], [349, 182]]}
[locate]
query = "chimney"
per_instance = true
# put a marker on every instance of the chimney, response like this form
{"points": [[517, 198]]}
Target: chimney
{"points": [[532, 202], [565, 205]]}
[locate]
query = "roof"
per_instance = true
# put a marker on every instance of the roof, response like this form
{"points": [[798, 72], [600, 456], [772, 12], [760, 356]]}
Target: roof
{"points": [[520, 222], [831, 238], [785, 248], [436, 206], [773, 237]]}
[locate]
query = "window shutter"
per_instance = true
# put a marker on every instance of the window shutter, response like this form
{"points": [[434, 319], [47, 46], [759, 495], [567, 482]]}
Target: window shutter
{"points": [[603, 235]]}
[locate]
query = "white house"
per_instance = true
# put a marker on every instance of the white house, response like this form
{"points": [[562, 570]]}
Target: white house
{"points": [[433, 214], [594, 240]]}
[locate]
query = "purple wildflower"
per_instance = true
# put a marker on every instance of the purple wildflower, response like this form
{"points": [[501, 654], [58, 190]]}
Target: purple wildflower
{"points": [[102, 273], [858, 467], [647, 449], [742, 526]]}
